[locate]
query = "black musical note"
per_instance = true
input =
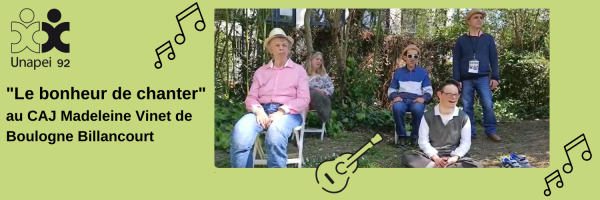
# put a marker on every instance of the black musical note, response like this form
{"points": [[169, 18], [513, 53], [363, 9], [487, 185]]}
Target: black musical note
{"points": [[179, 19], [582, 155], [559, 184], [171, 56]]}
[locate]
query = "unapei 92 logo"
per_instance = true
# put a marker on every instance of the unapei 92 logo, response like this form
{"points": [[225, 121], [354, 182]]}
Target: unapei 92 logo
{"points": [[27, 28]]}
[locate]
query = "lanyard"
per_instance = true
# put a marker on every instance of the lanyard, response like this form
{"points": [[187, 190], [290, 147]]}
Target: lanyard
{"points": [[476, 43]]}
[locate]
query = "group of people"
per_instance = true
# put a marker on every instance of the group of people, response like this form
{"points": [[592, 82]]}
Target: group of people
{"points": [[282, 90]]}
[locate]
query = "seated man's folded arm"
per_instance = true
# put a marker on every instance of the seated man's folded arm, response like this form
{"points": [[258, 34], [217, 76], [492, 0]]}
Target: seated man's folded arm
{"points": [[465, 141], [392, 93], [393, 89], [427, 88], [252, 98], [302, 100], [424, 144]]}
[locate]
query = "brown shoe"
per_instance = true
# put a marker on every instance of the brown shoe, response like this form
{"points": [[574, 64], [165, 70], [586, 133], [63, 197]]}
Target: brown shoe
{"points": [[494, 137]]}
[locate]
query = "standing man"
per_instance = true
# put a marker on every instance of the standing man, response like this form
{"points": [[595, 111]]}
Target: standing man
{"points": [[475, 67]]}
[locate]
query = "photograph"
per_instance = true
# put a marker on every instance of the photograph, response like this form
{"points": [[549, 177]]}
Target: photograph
{"points": [[382, 88]]}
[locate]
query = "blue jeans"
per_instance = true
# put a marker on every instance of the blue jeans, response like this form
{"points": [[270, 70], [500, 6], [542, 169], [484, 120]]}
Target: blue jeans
{"points": [[276, 139], [484, 91], [417, 110]]}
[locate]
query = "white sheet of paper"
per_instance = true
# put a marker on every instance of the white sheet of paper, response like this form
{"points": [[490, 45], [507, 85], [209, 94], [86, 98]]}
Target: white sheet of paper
{"points": [[474, 66]]}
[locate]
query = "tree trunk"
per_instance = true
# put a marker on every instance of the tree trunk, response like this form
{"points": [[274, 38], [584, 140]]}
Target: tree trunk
{"points": [[517, 31], [308, 34], [340, 46]]}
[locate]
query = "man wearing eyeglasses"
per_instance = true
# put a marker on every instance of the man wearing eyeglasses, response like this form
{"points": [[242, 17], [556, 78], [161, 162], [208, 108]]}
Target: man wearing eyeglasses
{"points": [[475, 66], [444, 135], [409, 91]]}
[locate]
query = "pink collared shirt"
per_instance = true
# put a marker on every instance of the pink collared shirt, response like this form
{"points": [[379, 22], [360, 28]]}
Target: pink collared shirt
{"points": [[287, 86]]}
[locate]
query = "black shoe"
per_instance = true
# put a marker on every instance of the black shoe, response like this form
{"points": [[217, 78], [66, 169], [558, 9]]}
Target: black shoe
{"points": [[401, 142], [414, 142]]}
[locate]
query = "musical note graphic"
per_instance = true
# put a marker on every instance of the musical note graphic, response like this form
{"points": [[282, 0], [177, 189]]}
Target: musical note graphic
{"points": [[335, 172], [559, 183], [582, 155], [179, 19], [158, 64]]}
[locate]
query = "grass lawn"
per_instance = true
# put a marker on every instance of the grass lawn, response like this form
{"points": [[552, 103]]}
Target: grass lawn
{"points": [[531, 138]]}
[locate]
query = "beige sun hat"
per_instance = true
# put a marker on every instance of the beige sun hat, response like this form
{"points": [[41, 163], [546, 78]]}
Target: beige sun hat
{"points": [[277, 33], [411, 47], [473, 12]]}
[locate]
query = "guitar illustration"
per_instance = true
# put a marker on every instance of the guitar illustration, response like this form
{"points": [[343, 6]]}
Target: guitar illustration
{"points": [[333, 175]]}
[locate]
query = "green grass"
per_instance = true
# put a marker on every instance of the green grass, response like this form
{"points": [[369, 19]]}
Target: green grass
{"points": [[529, 137]]}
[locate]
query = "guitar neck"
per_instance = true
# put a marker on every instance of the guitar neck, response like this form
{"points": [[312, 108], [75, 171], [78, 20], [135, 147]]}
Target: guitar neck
{"points": [[360, 152]]}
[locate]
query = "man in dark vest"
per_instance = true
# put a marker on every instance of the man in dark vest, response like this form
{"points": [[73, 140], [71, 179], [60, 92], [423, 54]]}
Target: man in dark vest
{"points": [[444, 134]]}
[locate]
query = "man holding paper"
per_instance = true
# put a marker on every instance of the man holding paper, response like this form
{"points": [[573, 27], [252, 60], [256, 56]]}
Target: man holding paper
{"points": [[475, 67]]}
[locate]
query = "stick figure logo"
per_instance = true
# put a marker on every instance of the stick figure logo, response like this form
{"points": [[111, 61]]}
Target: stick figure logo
{"points": [[27, 29]]}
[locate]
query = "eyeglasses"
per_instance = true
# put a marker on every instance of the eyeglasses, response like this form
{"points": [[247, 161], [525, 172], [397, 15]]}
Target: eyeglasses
{"points": [[413, 56], [451, 95]]}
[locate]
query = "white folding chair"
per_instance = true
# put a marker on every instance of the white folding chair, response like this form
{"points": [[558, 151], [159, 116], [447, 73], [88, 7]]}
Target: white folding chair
{"points": [[294, 158], [316, 130]]}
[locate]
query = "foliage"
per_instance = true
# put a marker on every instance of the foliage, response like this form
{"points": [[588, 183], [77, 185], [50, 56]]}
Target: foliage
{"points": [[526, 83], [362, 83], [333, 127], [227, 113], [505, 111], [373, 118]]}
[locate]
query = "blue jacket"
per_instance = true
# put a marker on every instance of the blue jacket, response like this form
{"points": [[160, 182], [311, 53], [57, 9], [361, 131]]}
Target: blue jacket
{"points": [[410, 84], [486, 53]]}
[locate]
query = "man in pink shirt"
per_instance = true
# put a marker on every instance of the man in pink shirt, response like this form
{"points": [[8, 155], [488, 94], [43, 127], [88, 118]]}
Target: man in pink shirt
{"points": [[279, 93]]}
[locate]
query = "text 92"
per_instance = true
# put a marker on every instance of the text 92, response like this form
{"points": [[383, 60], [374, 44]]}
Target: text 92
{"points": [[63, 63]]}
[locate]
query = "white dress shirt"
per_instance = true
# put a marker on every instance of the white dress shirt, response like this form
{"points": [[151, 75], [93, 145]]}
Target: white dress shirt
{"points": [[465, 139]]}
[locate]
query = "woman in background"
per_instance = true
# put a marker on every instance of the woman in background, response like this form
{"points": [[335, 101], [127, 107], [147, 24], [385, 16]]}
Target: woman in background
{"points": [[321, 86]]}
